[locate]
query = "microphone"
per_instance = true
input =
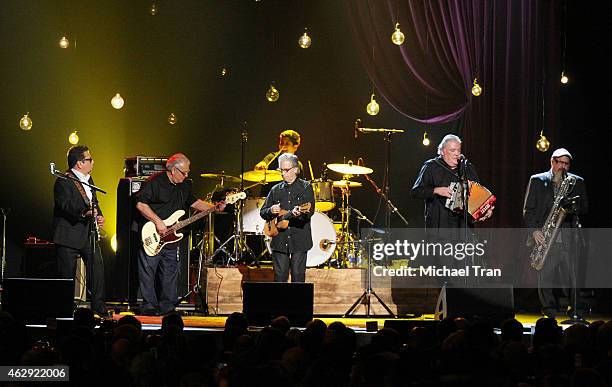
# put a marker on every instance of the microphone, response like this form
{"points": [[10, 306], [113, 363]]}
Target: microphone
{"points": [[357, 123], [52, 167]]}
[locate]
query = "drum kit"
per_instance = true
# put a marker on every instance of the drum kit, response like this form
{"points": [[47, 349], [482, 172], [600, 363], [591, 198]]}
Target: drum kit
{"points": [[333, 242]]}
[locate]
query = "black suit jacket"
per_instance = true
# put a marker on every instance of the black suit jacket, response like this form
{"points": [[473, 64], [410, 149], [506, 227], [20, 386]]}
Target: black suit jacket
{"points": [[70, 227], [540, 196]]}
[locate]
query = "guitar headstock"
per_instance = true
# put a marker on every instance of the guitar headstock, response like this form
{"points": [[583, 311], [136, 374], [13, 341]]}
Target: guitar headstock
{"points": [[233, 198]]}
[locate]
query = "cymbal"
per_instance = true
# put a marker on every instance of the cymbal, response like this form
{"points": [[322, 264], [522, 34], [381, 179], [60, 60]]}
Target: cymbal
{"points": [[267, 175], [350, 169], [347, 183], [221, 176]]}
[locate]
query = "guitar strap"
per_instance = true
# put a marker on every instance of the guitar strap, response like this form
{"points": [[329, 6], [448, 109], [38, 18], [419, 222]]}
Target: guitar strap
{"points": [[80, 188]]}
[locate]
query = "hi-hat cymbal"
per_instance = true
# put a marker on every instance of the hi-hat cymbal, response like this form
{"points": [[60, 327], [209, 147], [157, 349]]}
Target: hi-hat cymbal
{"points": [[350, 169], [263, 175], [347, 184], [221, 176]]}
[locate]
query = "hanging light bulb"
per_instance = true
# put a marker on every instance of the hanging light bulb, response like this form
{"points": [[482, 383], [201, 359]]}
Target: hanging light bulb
{"points": [[476, 89], [172, 119], [426, 141], [224, 71], [564, 78], [73, 138], [272, 94], [304, 41], [373, 108], [64, 42], [153, 9], [397, 37], [542, 144], [117, 101], [25, 123]]}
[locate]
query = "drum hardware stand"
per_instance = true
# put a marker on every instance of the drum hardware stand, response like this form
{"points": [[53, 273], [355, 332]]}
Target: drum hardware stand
{"points": [[195, 288], [366, 296]]}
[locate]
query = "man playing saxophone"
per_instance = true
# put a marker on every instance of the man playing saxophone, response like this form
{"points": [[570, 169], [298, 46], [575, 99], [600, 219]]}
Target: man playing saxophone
{"points": [[554, 201]]}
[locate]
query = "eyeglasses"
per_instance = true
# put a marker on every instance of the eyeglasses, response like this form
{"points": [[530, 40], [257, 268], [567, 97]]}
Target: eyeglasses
{"points": [[185, 174], [285, 170], [562, 162], [89, 159]]}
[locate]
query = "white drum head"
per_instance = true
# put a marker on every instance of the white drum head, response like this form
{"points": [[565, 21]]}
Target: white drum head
{"points": [[251, 221]]}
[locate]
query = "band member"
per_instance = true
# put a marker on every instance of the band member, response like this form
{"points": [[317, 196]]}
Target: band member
{"points": [[434, 181], [72, 225], [160, 196], [289, 141], [558, 271], [290, 246]]}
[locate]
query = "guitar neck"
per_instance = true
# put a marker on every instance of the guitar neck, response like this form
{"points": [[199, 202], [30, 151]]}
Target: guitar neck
{"points": [[195, 218]]}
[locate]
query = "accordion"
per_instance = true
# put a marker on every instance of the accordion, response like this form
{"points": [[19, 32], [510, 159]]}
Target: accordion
{"points": [[479, 201]]}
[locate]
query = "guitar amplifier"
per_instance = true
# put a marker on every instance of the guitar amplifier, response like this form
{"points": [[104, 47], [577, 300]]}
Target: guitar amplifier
{"points": [[143, 165]]}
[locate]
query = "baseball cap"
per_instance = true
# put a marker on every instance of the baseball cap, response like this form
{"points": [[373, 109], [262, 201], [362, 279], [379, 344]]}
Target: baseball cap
{"points": [[561, 152]]}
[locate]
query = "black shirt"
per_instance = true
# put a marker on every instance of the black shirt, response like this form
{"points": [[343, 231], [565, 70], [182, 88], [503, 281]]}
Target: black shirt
{"points": [[297, 237], [436, 173], [164, 197]]}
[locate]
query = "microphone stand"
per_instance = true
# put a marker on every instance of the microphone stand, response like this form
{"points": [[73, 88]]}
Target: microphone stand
{"points": [[390, 205], [576, 227], [93, 227]]}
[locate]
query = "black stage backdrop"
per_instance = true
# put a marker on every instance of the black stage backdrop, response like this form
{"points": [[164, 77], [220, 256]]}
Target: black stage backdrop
{"points": [[172, 63]]}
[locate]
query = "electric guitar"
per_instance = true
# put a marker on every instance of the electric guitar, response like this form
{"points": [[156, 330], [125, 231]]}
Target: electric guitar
{"points": [[281, 221], [153, 242]]}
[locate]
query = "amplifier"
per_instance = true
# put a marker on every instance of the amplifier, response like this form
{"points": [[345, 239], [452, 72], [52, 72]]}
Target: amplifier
{"points": [[143, 165]]}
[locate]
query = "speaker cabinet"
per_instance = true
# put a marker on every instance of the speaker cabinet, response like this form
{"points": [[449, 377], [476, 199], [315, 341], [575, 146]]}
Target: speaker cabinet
{"points": [[264, 301], [36, 299], [493, 304]]}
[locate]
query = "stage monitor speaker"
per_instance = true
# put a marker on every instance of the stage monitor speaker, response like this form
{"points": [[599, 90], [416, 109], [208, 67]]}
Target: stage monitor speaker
{"points": [[493, 304], [39, 260], [36, 299], [264, 301]]}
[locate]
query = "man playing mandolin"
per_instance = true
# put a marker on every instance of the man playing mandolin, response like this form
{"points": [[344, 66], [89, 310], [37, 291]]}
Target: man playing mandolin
{"points": [[160, 197], [289, 200]]}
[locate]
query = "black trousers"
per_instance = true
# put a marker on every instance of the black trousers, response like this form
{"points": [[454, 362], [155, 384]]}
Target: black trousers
{"points": [[164, 268], [66, 263], [558, 274], [282, 262]]}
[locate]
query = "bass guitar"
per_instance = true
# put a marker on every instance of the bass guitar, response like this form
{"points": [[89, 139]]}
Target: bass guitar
{"points": [[153, 242]]}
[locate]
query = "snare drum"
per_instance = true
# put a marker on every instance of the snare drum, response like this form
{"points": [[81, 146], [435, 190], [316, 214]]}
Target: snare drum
{"points": [[251, 221], [323, 240], [324, 194]]}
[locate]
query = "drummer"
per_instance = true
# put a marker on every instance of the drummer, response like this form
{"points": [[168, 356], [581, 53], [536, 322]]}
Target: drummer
{"points": [[289, 141]]}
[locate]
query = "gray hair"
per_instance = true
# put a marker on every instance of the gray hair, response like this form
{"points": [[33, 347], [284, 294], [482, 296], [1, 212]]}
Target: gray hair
{"points": [[289, 157], [176, 159], [446, 139]]}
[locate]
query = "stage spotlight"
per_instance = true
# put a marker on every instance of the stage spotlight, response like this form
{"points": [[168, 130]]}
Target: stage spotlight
{"points": [[117, 101], [73, 138], [564, 78], [272, 94], [172, 119], [542, 144], [373, 108], [426, 141], [304, 41], [25, 123], [397, 37], [476, 89]]}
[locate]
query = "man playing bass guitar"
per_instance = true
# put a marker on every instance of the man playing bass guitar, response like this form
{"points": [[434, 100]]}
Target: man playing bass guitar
{"points": [[161, 196]]}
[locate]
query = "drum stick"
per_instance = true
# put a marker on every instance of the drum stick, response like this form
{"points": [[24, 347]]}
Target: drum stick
{"points": [[311, 174]]}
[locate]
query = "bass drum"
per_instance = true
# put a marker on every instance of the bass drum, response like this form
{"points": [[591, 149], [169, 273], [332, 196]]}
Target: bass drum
{"points": [[323, 240], [252, 223]]}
